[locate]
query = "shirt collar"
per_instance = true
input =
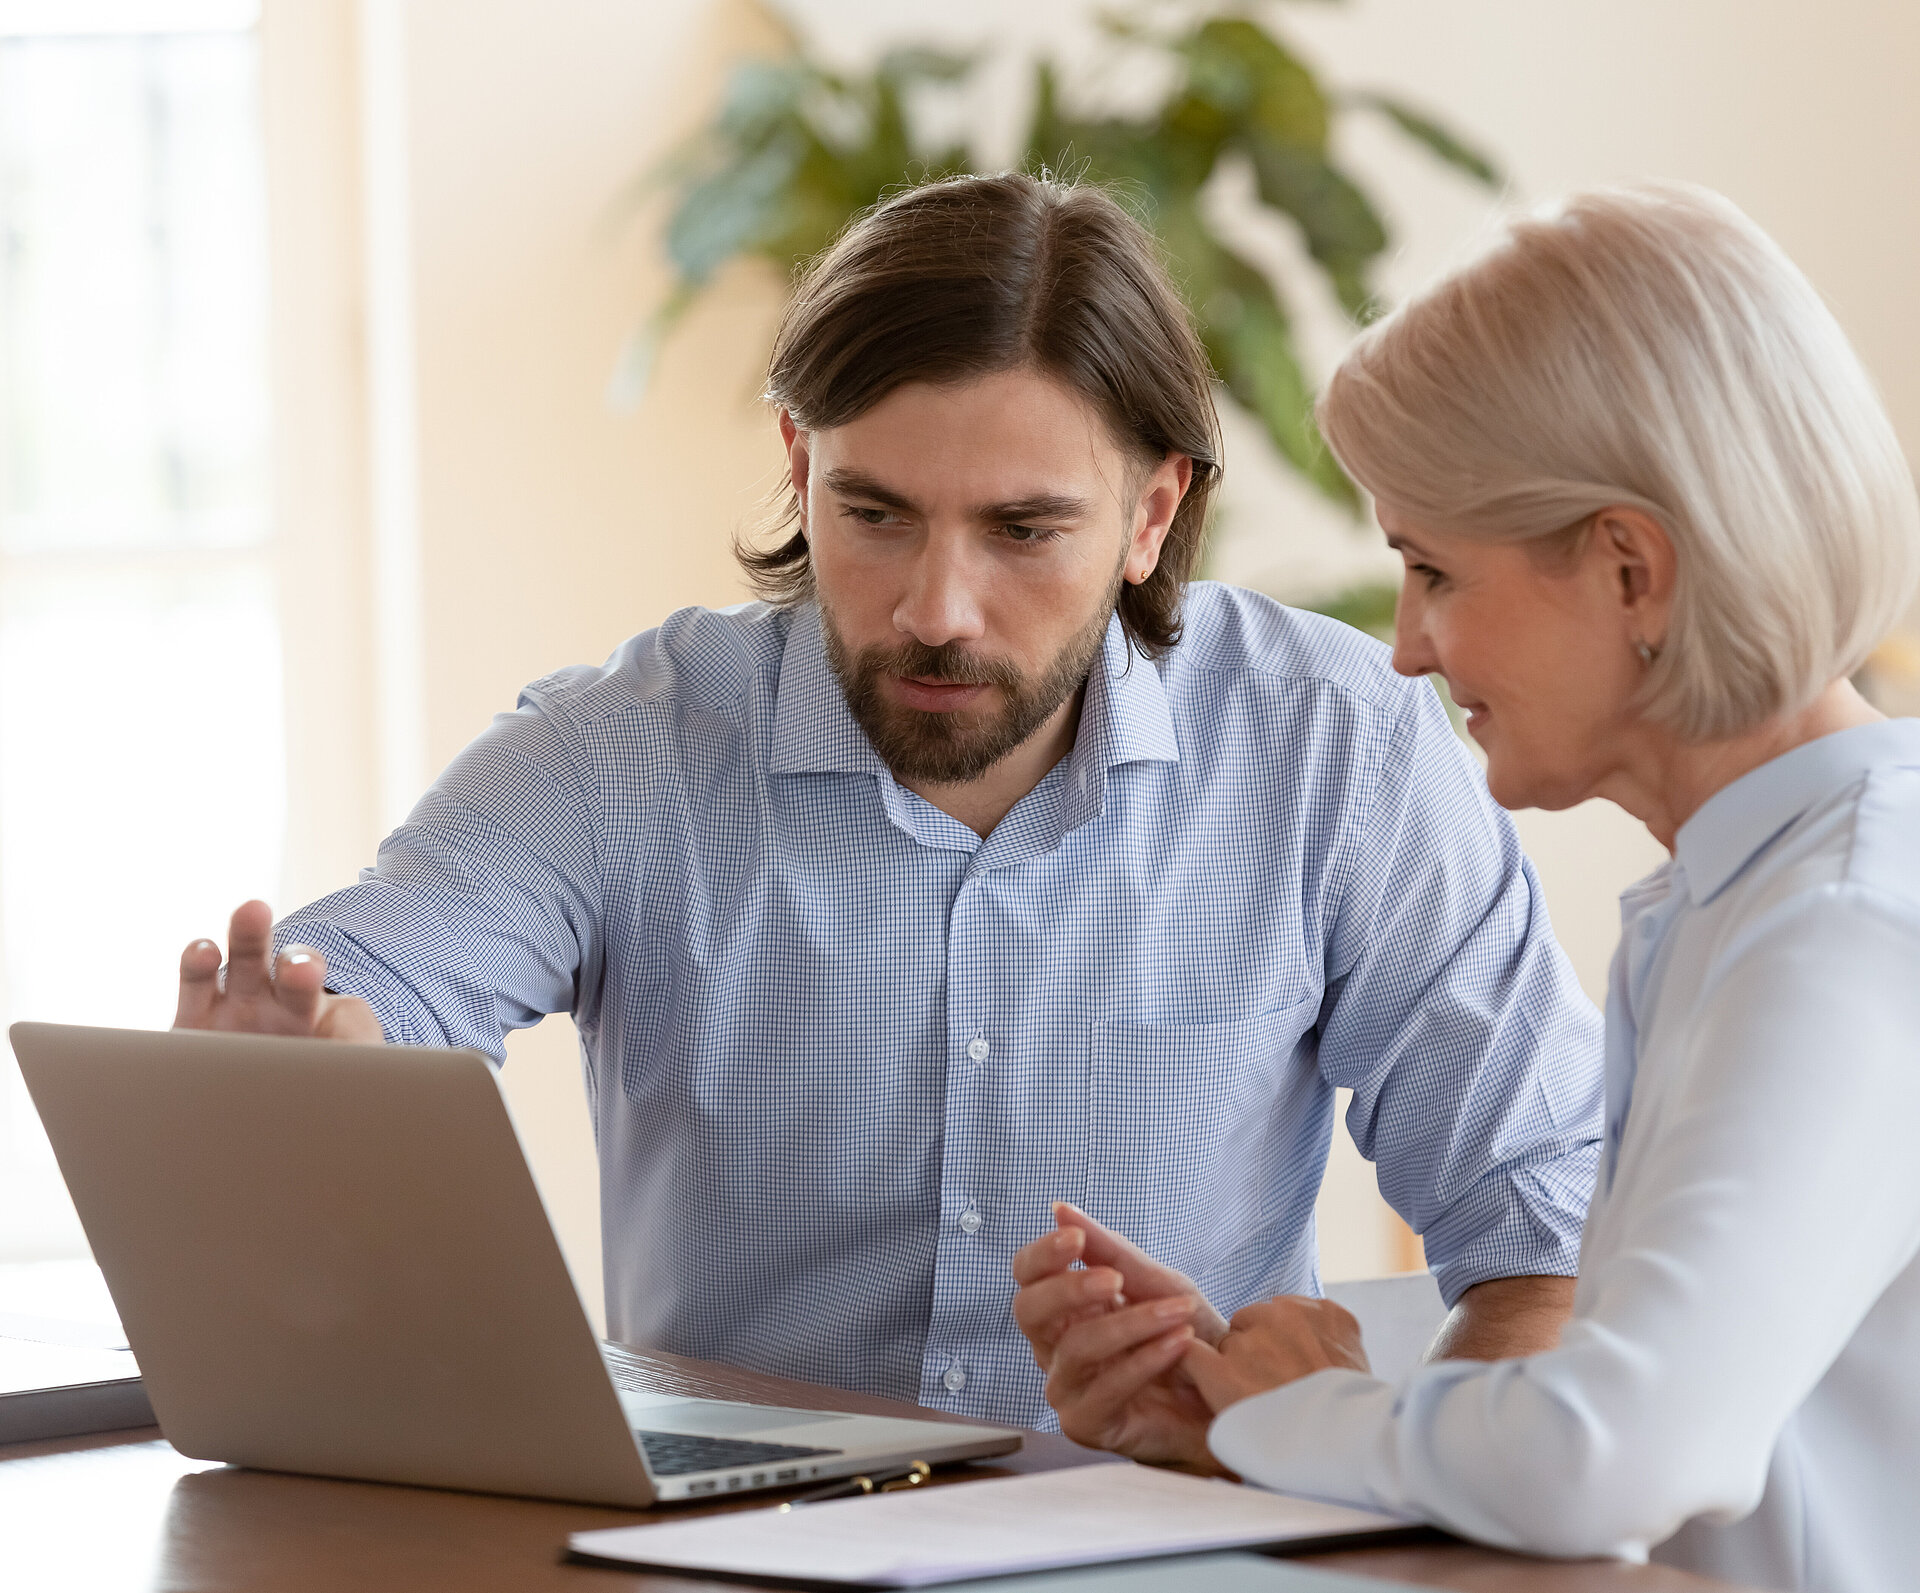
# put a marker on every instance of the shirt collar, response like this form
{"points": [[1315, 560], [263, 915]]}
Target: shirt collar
{"points": [[813, 730], [1739, 819], [1125, 718]]}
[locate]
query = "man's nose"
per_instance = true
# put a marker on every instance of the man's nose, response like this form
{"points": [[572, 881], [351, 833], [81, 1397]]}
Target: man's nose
{"points": [[942, 602]]}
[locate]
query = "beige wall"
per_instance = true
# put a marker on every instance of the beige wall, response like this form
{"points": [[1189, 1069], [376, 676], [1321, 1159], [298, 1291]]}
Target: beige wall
{"points": [[551, 527]]}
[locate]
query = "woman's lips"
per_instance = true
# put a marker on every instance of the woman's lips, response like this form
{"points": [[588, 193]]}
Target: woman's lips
{"points": [[936, 696]]}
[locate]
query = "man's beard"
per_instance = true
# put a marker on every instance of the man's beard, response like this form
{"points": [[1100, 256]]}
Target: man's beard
{"points": [[948, 748]]}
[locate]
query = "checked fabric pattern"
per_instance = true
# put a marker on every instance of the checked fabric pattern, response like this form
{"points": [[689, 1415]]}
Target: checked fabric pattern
{"points": [[842, 1053]]}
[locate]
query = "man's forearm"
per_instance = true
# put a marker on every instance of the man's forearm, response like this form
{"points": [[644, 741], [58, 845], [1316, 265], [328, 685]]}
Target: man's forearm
{"points": [[1504, 1317]]}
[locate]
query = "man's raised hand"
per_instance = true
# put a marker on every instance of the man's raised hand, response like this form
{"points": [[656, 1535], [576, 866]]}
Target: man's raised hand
{"points": [[258, 993]]}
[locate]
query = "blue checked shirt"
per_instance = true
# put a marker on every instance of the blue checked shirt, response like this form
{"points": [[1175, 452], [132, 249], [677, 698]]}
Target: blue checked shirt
{"points": [[842, 1053]]}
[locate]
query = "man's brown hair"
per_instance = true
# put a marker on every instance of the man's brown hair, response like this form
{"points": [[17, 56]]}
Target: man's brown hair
{"points": [[975, 275]]}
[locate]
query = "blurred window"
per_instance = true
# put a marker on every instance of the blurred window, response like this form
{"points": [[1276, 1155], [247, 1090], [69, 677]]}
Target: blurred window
{"points": [[142, 758]]}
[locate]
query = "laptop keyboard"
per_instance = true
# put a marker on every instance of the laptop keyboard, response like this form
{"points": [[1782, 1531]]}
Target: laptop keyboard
{"points": [[676, 1454]]}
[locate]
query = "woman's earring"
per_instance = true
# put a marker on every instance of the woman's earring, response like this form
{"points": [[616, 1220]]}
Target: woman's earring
{"points": [[1647, 654]]}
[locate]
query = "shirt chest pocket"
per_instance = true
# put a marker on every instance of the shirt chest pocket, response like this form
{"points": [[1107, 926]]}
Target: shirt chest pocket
{"points": [[1190, 1125]]}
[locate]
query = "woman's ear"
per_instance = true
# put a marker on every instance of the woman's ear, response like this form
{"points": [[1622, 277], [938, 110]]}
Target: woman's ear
{"points": [[1638, 558]]}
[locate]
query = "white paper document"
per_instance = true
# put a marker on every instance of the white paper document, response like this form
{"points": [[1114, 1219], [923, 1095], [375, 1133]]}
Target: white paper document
{"points": [[996, 1527]]}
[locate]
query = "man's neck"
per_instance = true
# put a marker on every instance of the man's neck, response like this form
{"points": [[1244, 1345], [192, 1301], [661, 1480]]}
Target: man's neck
{"points": [[982, 803]]}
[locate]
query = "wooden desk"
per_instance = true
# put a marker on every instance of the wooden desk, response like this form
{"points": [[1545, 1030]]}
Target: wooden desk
{"points": [[125, 1513]]}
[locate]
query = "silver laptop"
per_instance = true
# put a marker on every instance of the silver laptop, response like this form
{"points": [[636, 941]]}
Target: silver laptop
{"points": [[332, 1258]]}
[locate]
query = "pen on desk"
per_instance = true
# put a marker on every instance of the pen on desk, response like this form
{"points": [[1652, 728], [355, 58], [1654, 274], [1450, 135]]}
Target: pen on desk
{"points": [[909, 1476]]}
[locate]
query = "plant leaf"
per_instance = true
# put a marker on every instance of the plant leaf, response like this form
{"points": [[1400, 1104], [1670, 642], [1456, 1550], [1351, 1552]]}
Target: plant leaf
{"points": [[1249, 338], [825, 194], [760, 95], [1125, 156], [1342, 230], [1238, 67], [888, 153], [1188, 141], [1423, 129], [1046, 132], [729, 212]]}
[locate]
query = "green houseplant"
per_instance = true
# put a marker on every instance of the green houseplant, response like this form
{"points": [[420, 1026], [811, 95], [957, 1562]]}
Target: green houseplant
{"points": [[796, 150]]}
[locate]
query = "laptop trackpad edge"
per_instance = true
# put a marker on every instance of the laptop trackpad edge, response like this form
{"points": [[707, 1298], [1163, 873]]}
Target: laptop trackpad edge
{"points": [[719, 1419]]}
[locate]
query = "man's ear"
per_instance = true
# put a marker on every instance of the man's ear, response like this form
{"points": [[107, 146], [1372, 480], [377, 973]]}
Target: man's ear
{"points": [[799, 462], [1161, 491], [1638, 559]]}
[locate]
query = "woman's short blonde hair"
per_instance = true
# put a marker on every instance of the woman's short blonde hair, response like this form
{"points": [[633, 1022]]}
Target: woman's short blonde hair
{"points": [[1650, 347]]}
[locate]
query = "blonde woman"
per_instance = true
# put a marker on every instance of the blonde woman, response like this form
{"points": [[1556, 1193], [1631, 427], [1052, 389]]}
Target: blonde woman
{"points": [[1653, 517]]}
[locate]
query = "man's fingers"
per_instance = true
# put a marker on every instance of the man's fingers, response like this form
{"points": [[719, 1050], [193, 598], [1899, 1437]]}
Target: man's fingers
{"points": [[1085, 1350], [1045, 1310], [1145, 1278], [288, 996], [199, 985], [1106, 1247], [1101, 1402], [1068, 1215], [249, 937], [1050, 1253], [299, 984]]}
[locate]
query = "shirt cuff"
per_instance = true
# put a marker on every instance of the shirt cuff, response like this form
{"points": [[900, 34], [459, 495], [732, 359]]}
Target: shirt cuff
{"points": [[1520, 1222], [1315, 1437], [351, 971]]}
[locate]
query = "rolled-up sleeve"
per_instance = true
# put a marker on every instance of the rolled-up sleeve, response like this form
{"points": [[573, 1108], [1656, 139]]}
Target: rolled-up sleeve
{"points": [[1453, 1016], [480, 914]]}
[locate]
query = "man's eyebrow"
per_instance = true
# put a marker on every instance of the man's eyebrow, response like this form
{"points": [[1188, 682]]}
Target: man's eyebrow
{"points": [[846, 483], [858, 484], [1036, 506]]}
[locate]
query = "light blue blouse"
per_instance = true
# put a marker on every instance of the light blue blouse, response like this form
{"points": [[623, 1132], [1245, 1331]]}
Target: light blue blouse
{"points": [[1740, 1384]]}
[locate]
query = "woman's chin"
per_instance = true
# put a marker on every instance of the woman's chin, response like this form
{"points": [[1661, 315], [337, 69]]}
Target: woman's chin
{"points": [[1516, 780], [1515, 786], [1506, 793], [1509, 781]]}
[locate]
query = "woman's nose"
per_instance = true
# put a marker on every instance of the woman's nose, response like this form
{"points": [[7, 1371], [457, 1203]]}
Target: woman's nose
{"points": [[1413, 653]]}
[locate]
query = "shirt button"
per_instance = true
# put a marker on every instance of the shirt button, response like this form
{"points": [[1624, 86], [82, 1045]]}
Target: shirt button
{"points": [[955, 1379], [978, 1049], [969, 1221]]}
